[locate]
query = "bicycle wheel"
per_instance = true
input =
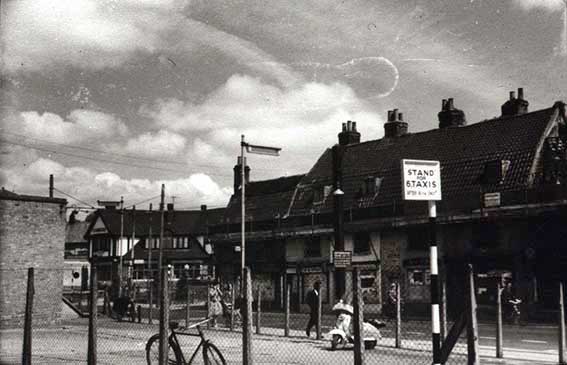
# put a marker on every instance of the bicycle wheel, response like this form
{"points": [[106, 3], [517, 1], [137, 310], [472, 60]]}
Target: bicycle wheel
{"points": [[212, 355], [152, 352]]}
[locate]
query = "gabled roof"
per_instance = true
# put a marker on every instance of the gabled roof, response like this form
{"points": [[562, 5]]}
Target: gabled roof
{"points": [[75, 232], [177, 222], [463, 152], [264, 199], [194, 252]]}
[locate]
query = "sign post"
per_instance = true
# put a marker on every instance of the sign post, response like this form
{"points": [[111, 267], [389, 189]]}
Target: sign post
{"points": [[421, 180]]}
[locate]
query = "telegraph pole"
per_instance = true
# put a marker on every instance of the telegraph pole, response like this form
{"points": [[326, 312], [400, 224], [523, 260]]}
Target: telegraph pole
{"points": [[161, 228], [150, 272], [120, 246], [131, 266]]}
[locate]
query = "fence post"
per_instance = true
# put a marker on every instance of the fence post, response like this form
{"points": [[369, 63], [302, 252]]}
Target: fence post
{"points": [[163, 316], [287, 309], [472, 327], [358, 318], [91, 354], [259, 310], [561, 325], [27, 349], [208, 304], [139, 312], [151, 298], [232, 303], [188, 305], [319, 307], [398, 316], [499, 351], [247, 318]]}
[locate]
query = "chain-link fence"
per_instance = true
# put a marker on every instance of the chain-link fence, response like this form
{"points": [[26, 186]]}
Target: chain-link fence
{"points": [[63, 331]]}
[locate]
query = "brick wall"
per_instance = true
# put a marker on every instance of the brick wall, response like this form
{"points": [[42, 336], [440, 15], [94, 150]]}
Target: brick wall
{"points": [[32, 234]]}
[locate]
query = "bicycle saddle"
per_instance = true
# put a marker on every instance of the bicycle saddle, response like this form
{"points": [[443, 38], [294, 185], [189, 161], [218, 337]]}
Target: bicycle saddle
{"points": [[173, 325]]}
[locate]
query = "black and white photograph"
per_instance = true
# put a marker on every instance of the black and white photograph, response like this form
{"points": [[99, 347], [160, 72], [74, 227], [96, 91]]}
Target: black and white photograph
{"points": [[283, 182]]}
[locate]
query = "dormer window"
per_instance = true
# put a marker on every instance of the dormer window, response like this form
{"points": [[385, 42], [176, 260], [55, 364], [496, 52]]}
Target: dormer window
{"points": [[320, 193], [494, 172], [370, 186]]}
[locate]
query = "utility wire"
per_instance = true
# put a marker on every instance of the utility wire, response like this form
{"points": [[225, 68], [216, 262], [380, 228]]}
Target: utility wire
{"points": [[103, 160], [72, 197], [143, 201], [123, 155]]}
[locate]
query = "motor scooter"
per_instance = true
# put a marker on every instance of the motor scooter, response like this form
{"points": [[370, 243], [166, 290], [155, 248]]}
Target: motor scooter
{"points": [[342, 334]]}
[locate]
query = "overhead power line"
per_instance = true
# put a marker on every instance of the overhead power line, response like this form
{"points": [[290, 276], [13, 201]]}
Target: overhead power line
{"points": [[72, 197]]}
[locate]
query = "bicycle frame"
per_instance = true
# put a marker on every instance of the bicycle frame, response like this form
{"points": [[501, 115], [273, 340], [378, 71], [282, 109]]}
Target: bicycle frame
{"points": [[199, 333]]}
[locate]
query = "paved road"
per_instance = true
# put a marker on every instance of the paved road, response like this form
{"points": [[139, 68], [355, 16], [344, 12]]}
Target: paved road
{"points": [[517, 340], [124, 343]]}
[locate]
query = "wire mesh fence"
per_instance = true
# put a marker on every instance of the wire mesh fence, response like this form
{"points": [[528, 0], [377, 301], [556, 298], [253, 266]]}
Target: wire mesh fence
{"points": [[391, 333]]}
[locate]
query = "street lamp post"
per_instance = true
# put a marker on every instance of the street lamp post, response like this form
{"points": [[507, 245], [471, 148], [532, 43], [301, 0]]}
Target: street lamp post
{"points": [[261, 150]]}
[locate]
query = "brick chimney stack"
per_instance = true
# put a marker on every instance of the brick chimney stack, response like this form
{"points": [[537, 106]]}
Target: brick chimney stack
{"points": [[449, 116], [238, 173], [349, 134], [395, 126], [515, 106]]}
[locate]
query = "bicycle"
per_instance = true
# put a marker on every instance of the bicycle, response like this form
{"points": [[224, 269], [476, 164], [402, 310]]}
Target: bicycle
{"points": [[211, 354]]}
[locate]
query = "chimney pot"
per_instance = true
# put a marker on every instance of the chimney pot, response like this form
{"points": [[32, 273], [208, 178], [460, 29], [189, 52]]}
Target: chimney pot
{"points": [[512, 95], [400, 117], [443, 104], [521, 93], [450, 103], [354, 126], [344, 127], [349, 126]]}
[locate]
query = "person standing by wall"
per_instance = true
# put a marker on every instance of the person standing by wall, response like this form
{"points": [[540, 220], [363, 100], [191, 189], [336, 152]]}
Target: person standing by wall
{"points": [[312, 300]]}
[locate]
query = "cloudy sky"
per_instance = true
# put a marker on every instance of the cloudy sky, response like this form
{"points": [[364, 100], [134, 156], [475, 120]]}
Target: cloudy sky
{"points": [[116, 97]]}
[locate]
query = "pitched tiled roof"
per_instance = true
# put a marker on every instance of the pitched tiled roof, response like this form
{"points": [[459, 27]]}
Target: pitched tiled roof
{"points": [[264, 199], [463, 152], [180, 222], [75, 232], [194, 252]]}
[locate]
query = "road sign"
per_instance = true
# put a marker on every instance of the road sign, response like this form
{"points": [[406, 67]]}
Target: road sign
{"points": [[263, 150], [342, 259], [421, 180]]}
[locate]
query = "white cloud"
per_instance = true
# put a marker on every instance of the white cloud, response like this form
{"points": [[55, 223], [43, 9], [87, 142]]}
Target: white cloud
{"points": [[545, 4], [88, 33], [161, 143], [91, 186], [96, 34], [302, 120], [80, 125]]}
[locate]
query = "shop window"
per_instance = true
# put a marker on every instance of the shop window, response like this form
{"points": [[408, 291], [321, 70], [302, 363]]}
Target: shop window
{"points": [[418, 239], [313, 247], [361, 243], [418, 277]]}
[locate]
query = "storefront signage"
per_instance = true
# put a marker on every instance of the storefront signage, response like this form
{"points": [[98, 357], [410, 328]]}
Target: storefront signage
{"points": [[491, 200], [342, 259], [421, 180]]}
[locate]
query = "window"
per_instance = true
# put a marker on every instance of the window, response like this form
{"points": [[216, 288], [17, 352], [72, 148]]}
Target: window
{"points": [[320, 193], [418, 277], [418, 239], [361, 243], [313, 247], [174, 242]]}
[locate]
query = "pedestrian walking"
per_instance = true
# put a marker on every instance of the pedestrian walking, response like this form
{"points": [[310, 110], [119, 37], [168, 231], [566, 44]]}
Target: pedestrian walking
{"points": [[215, 308], [312, 300]]}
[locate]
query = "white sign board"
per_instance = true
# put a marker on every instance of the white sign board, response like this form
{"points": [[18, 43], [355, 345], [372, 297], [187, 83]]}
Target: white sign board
{"points": [[421, 180]]}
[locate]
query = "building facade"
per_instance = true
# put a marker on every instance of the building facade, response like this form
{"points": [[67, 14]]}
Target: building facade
{"points": [[32, 234]]}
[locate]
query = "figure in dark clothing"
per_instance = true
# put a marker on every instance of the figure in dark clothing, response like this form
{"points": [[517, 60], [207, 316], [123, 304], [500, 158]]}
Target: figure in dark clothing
{"points": [[312, 300]]}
